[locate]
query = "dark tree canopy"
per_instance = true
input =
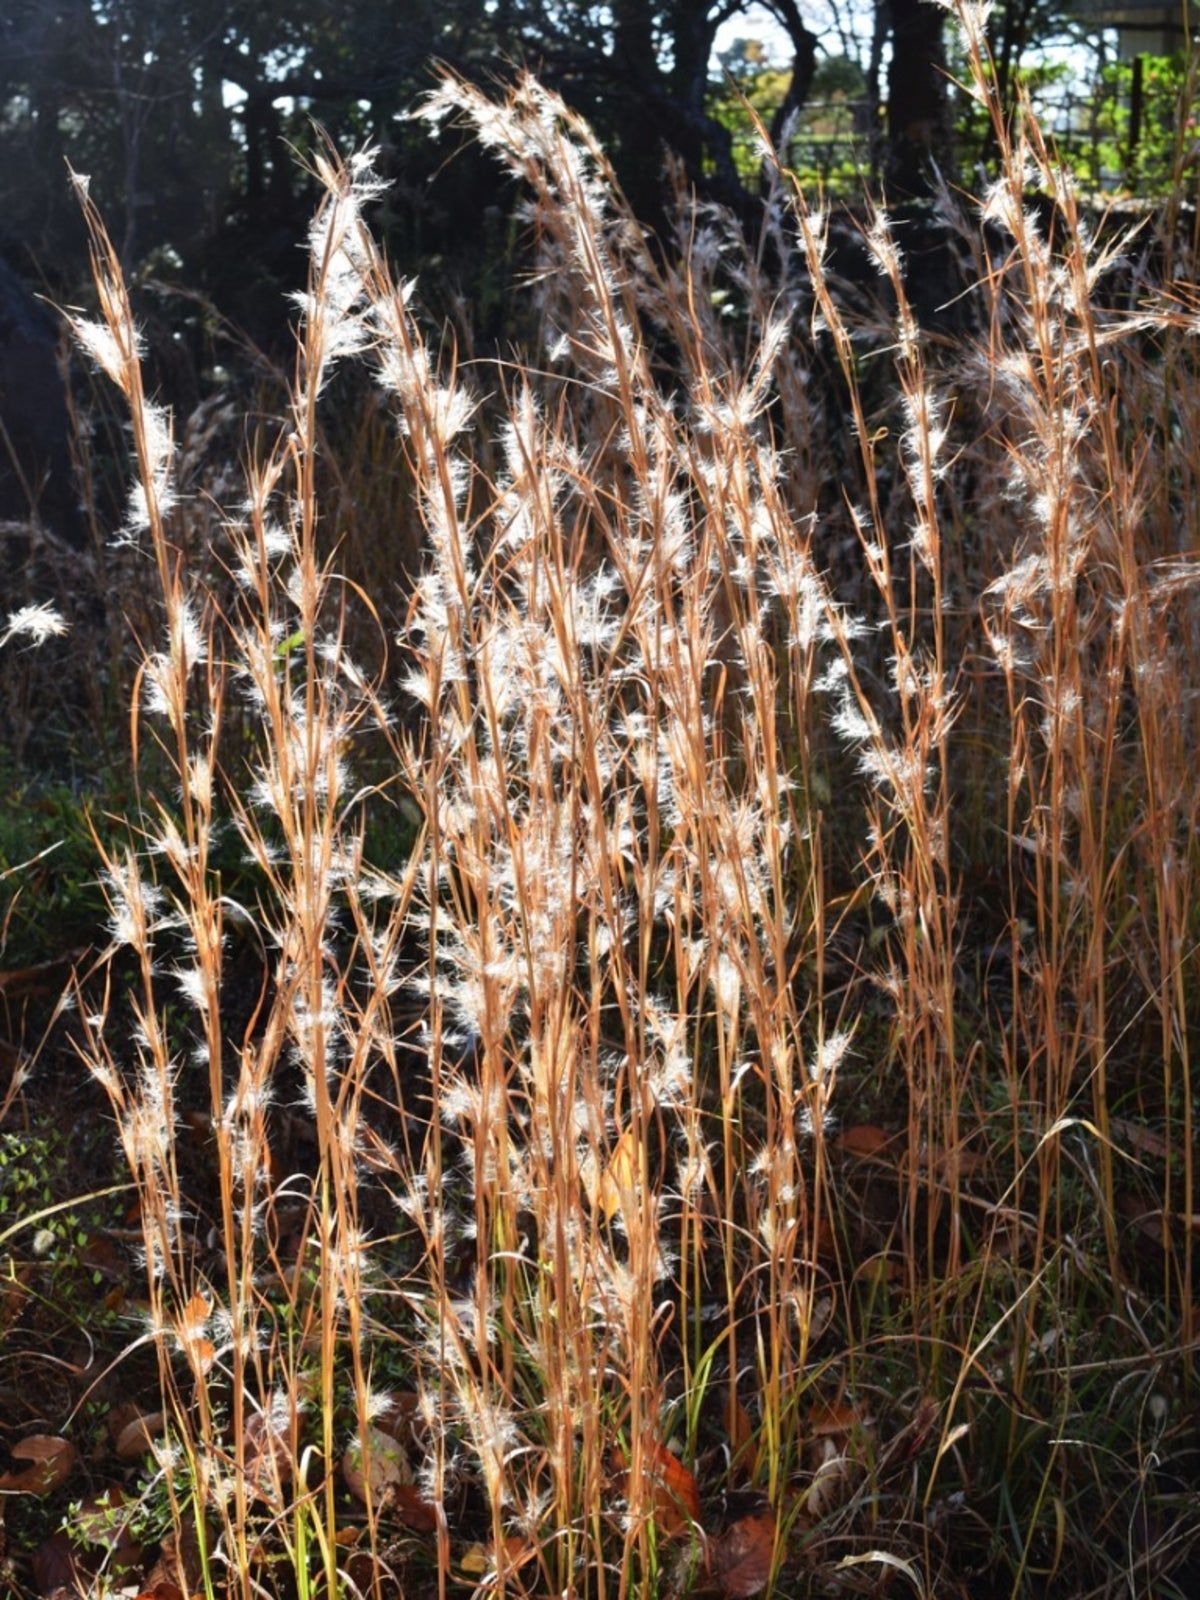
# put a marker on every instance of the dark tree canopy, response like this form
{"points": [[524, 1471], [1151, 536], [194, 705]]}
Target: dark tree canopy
{"points": [[182, 110], [190, 115]]}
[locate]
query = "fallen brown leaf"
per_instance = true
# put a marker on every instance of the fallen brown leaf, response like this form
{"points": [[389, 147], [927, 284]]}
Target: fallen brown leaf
{"points": [[831, 1475], [50, 1462], [741, 1439], [365, 1570], [474, 1560], [865, 1139], [675, 1496], [189, 1329], [268, 1457], [134, 1432], [177, 1572], [1148, 1220], [414, 1512], [1133, 1136], [608, 1190], [378, 1470], [947, 1163], [830, 1418], [401, 1416], [741, 1558], [55, 1569]]}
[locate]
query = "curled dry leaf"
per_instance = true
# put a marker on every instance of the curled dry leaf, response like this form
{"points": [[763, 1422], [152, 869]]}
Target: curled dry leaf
{"points": [[202, 1353], [837, 1432], [378, 1471], [833, 1418], [887, 1559], [741, 1558], [194, 1316], [474, 1561], [607, 1188], [365, 1570], [50, 1461], [479, 1560], [136, 1432], [189, 1328], [831, 1478]]}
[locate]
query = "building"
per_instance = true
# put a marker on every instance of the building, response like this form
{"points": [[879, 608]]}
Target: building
{"points": [[1143, 27]]}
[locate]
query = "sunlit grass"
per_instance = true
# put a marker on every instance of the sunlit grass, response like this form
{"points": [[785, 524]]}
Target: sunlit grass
{"points": [[731, 1094]]}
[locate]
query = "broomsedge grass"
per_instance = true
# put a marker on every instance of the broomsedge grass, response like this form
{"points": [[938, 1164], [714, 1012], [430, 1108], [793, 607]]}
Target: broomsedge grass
{"points": [[577, 1196]]}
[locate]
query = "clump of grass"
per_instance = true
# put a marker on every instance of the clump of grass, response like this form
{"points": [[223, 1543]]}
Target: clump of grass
{"points": [[587, 1232]]}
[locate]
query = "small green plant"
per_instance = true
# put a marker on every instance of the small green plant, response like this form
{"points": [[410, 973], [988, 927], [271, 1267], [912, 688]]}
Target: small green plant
{"points": [[32, 1168], [51, 902]]}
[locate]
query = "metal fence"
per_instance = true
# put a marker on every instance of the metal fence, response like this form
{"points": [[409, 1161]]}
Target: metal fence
{"points": [[1126, 130]]}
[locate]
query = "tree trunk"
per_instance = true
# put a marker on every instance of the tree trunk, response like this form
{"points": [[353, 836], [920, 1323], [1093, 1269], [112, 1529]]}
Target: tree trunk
{"points": [[704, 143], [879, 33], [917, 111], [640, 156], [804, 66], [256, 142]]}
